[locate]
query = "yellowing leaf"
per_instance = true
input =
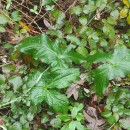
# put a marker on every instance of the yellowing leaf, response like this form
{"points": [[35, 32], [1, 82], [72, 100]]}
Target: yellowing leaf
{"points": [[126, 2], [123, 13], [128, 18], [24, 26]]}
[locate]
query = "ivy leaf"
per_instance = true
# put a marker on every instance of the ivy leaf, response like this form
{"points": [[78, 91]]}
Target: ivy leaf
{"points": [[111, 21], [89, 8], [115, 66], [115, 14], [50, 52], [76, 125], [76, 10], [83, 20]]}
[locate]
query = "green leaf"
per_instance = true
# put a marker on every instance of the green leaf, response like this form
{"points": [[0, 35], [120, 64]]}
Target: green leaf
{"points": [[111, 21], [44, 119], [109, 31], [128, 18], [16, 82], [76, 125], [50, 52], [116, 66], [127, 112], [15, 16], [37, 95], [54, 79], [43, 91], [64, 118], [3, 19], [101, 4], [58, 18], [2, 79], [123, 13], [56, 123], [106, 113], [72, 38], [103, 42], [72, 125], [16, 126], [127, 2], [111, 119], [89, 8], [2, 29], [79, 117], [76, 10], [66, 127], [125, 123], [115, 14], [75, 110], [116, 116], [60, 78], [58, 101], [83, 20]]}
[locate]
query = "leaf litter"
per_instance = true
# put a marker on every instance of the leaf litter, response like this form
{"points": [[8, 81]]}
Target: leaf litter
{"points": [[73, 90]]}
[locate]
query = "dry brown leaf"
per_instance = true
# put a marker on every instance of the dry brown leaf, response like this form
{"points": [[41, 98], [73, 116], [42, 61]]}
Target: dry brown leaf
{"points": [[1, 121], [98, 15], [16, 39], [93, 122], [47, 24], [73, 89]]}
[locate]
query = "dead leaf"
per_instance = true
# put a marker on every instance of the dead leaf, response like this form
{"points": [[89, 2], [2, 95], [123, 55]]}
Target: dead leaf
{"points": [[98, 14], [47, 24], [93, 122], [1, 121], [73, 89], [24, 26], [16, 39]]}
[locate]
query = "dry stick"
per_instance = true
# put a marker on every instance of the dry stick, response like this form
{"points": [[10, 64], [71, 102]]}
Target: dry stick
{"points": [[71, 6], [26, 16], [41, 17], [22, 5], [111, 127], [18, 98], [14, 21], [35, 17]]}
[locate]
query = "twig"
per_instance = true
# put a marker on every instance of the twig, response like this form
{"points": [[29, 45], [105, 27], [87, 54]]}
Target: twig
{"points": [[111, 127], [71, 6]]}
